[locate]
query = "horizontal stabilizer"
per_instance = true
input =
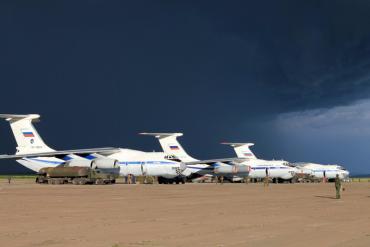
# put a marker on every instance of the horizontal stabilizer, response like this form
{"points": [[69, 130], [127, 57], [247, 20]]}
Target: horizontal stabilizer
{"points": [[9, 117], [242, 150], [171, 145], [237, 144], [161, 135]]}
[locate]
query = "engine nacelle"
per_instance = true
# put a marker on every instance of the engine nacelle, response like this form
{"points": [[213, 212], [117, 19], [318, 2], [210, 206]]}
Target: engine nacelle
{"points": [[231, 169], [104, 163], [81, 163]]}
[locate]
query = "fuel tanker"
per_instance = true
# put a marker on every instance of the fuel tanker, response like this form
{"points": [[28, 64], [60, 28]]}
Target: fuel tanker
{"points": [[75, 175]]}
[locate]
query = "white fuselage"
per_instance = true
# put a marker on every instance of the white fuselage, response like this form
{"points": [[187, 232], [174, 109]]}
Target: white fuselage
{"points": [[130, 161], [274, 168], [319, 171]]}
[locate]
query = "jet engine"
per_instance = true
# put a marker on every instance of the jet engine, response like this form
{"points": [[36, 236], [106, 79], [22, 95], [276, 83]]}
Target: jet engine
{"points": [[231, 169], [79, 162], [104, 163]]}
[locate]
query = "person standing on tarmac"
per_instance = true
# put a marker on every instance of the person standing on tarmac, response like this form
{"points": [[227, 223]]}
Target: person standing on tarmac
{"points": [[338, 186], [266, 182]]}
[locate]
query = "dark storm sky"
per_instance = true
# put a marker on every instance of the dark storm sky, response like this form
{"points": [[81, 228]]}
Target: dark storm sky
{"points": [[291, 76]]}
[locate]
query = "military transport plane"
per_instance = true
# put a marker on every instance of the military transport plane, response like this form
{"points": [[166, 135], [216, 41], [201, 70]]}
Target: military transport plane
{"points": [[320, 171], [225, 167], [34, 154], [275, 169]]}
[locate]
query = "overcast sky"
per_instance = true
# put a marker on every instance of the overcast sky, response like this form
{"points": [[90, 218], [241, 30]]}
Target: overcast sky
{"points": [[291, 76]]}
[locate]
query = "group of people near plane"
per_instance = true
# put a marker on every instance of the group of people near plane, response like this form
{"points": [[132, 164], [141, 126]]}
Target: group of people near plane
{"points": [[171, 165]]}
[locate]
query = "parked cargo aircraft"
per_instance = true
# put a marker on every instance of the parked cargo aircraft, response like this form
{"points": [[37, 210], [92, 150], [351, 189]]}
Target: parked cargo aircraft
{"points": [[259, 168], [34, 154], [321, 171], [227, 168]]}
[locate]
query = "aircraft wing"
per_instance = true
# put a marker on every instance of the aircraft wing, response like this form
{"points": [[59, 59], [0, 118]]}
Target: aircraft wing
{"points": [[213, 161], [103, 151]]}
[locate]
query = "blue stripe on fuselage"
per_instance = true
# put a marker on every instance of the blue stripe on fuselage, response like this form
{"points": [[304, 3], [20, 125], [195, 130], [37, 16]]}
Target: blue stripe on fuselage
{"points": [[121, 163], [270, 168], [146, 162]]}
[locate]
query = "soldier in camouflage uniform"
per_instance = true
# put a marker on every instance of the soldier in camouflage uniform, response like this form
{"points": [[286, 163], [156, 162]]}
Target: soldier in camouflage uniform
{"points": [[338, 186], [221, 179], [266, 180]]}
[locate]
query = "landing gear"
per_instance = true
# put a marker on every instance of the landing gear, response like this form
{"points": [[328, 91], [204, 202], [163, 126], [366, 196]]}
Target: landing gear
{"points": [[177, 180]]}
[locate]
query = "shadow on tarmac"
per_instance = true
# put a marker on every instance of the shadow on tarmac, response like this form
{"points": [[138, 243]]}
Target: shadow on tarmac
{"points": [[327, 197]]}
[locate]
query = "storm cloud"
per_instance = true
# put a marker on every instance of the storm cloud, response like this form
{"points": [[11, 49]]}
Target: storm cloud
{"points": [[100, 72]]}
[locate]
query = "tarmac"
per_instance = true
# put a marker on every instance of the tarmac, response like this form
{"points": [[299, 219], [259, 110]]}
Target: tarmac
{"points": [[183, 215]]}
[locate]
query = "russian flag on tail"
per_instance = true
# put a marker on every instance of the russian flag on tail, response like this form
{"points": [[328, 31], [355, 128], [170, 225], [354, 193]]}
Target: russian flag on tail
{"points": [[173, 147], [28, 134]]}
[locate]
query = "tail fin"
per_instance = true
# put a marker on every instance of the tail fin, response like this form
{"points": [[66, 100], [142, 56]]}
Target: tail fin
{"points": [[242, 150], [26, 136], [170, 145]]}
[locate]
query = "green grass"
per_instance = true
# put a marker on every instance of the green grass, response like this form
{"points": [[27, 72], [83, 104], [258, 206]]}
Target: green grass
{"points": [[360, 179]]}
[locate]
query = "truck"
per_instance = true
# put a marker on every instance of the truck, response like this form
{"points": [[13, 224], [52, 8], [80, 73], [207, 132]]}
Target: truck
{"points": [[305, 178], [75, 175]]}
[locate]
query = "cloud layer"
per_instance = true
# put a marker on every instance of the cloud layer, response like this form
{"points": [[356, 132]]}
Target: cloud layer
{"points": [[100, 72], [336, 135]]}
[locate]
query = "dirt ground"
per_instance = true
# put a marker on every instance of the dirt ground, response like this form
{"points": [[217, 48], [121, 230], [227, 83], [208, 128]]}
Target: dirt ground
{"points": [[183, 215]]}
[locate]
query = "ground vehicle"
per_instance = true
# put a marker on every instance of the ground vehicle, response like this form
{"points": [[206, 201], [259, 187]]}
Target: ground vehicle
{"points": [[75, 175], [306, 178]]}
